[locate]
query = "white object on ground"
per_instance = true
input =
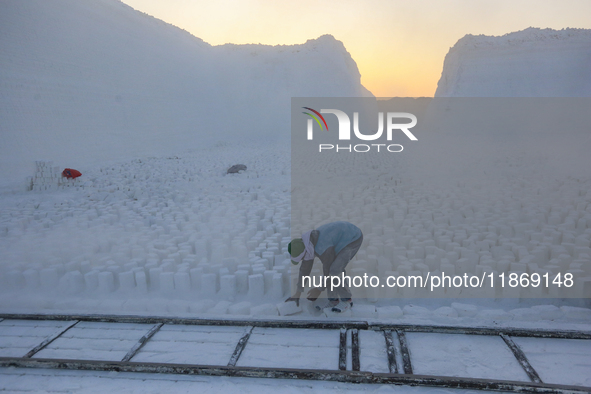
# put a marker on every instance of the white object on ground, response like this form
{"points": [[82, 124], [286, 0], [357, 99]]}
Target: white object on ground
{"points": [[288, 308], [388, 312], [363, 311], [465, 310], [264, 310]]}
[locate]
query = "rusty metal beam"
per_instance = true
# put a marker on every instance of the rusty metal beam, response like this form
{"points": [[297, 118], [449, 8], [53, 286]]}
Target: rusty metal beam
{"points": [[286, 373], [136, 348], [522, 359], [355, 362], [406, 364], [390, 351], [343, 349], [240, 347], [315, 324], [49, 339]]}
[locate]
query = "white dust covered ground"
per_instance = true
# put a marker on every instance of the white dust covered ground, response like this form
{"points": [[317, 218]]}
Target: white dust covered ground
{"points": [[179, 236]]}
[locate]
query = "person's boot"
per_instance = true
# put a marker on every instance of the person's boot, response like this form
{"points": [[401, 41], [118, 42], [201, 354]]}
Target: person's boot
{"points": [[330, 302], [343, 306]]}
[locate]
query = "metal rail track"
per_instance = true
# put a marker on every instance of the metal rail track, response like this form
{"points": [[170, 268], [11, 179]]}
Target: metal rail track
{"points": [[393, 348]]}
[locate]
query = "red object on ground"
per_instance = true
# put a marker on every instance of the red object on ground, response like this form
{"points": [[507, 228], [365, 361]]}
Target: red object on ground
{"points": [[71, 173]]}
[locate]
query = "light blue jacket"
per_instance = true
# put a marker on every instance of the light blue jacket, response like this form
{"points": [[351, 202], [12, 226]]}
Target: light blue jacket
{"points": [[337, 234], [328, 240]]}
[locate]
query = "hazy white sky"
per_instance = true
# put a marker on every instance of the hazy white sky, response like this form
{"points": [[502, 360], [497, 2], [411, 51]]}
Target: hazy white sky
{"points": [[399, 45]]}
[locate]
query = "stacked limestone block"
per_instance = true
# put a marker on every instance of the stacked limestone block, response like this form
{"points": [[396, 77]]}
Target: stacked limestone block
{"points": [[48, 177]]}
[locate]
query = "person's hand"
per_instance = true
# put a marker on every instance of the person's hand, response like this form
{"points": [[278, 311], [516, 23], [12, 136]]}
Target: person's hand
{"points": [[313, 294], [295, 298]]}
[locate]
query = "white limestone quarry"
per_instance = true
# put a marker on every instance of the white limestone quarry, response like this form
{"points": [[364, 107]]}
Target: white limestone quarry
{"points": [[529, 63], [197, 242], [153, 117], [87, 82]]}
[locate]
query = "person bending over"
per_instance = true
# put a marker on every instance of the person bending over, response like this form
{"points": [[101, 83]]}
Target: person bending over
{"points": [[335, 244]]}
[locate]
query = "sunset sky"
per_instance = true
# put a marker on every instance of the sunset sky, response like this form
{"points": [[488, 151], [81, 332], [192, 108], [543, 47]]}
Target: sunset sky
{"points": [[399, 45]]}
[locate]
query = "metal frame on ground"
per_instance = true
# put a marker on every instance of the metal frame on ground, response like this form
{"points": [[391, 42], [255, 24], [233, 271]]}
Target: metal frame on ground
{"points": [[393, 348]]}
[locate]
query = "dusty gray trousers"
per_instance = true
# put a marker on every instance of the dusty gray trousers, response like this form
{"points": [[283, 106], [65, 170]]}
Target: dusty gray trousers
{"points": [[337, 268]]}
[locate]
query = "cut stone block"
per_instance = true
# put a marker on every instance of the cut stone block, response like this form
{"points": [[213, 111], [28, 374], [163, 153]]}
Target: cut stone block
{"points": [[268, 278], [288, 308], [106, 282], [241, 281], [49, 278], [256, 286], [264, 310], [277, 286], [155, 278], [75, 282], [228, 286], [525, 314], [182, 282], [127, 281], [141, 282], [415, 310], [576, 313], [91, 280], [548, 312], [241, 308], [388, 312], [178, 306], [201, 306], [465, 310], [445, 311], [363, 311], [221, 308], [167, 282], [209, 285], [196, 277], [494, 315]]}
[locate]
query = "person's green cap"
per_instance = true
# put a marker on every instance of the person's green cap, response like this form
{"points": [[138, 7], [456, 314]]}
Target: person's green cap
{"points": [[295, 248]]}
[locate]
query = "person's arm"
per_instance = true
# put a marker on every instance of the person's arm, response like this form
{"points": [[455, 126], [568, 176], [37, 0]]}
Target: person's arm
{"points": [[314, 293], [305, 269], [295, 298]]}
